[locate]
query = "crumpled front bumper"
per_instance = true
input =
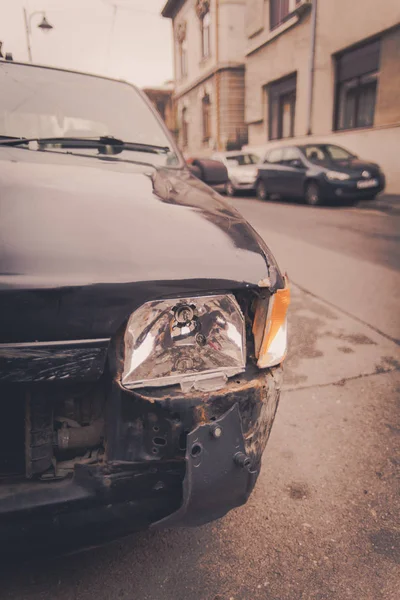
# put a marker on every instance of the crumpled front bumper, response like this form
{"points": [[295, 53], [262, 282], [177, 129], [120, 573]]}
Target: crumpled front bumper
{"points": [[219, 474], [136, 488]]}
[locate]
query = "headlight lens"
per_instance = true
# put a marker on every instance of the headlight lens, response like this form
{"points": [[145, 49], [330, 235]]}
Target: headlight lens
{"points": [[270, 328], [337, 175], [196, 342]]}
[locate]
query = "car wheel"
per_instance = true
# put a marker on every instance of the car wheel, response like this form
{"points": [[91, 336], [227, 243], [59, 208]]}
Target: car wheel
{"points": [[230, 189], [313, 194], [261, 191]]}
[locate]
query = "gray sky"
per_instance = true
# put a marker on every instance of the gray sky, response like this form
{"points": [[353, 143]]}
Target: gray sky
{"points": [[133, 43]]}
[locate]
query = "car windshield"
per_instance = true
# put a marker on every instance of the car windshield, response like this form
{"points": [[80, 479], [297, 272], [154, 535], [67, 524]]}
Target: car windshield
{"points": [[38, 102], [326, 153], [241, 160]]}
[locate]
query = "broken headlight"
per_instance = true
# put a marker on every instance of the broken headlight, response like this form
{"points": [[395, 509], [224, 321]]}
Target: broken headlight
{"points": [[196, 342]]}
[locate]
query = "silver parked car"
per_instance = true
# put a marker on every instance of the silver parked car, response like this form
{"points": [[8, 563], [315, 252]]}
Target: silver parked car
{"points": [[242, 170]]}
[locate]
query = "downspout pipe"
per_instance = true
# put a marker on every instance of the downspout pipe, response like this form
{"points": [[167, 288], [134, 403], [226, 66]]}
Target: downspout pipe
{"points": [[217, 77], [311, 75]]}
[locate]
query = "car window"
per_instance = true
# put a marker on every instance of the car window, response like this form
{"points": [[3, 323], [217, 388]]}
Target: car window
{"points": [[240, 160], [315, 153], [38, 102], [326, 153], [275, 156], [291, 154], [338, 153]]}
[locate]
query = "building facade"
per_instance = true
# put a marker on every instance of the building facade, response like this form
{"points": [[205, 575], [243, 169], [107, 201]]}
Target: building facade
{"points": [[209, 47], [326, 70], [162, 99]]}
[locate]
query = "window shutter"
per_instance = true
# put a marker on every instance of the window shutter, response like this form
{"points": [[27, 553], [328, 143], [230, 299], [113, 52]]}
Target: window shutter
{"points": [[284, 86], [359, 61]]}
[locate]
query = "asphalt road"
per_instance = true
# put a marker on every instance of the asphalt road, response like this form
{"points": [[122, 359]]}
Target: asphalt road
{"points": [[347, 256], [324, 521]]}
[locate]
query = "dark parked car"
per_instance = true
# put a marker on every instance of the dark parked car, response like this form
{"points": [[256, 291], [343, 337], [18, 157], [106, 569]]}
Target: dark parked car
{"points": [[142, 321], [318, 173]]}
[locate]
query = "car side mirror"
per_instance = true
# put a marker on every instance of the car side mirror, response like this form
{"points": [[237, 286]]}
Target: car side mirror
{"points": [[212, 172], [296, 163]]}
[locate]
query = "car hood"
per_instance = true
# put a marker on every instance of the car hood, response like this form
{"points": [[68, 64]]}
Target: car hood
{"points": [[244, 171], [354, 167], [86, 240]]}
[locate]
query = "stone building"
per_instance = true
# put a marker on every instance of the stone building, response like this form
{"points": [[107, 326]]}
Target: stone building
{"points": [[326, 70], [162, 99], [209, 46]]}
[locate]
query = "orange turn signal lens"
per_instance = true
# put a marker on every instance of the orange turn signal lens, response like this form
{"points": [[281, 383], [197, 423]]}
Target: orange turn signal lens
{"points": [[271, 350]]}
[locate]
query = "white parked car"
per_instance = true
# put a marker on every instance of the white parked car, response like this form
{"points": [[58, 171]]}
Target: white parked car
{"points": [[242, 170]]}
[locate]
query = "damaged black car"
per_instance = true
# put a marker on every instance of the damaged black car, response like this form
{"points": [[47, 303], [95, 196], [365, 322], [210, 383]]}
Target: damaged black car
{"points": [[143, 322]]}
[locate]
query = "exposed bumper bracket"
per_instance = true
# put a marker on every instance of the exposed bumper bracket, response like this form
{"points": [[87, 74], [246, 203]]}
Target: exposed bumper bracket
{"points": [[218, 474]]}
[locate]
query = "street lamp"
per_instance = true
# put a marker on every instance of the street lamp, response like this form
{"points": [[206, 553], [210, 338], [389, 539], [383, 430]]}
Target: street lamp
{"points": [[44, 25]]}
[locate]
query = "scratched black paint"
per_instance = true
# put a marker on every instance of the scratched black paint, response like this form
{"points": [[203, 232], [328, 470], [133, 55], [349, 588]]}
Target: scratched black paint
{"points": [[63, 361]]}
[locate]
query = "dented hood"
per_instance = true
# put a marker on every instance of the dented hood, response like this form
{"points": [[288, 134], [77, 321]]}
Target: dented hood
{"points": [[92, 238]]}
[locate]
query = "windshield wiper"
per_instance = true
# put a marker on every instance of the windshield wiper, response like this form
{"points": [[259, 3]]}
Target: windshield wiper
{"points": [[105, 144], [10, 137]]}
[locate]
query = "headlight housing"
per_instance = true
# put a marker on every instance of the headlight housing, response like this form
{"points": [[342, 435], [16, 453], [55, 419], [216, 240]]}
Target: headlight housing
{"points": [[337, 176], [199, 342], [195, 342]]}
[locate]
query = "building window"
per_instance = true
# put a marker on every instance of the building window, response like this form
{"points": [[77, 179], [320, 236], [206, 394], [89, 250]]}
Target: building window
{"points": [[205, 36], [203, 13], [180, 34], [282, 108], [206, 110], [280, 11], [357, 74], [185, 128], [183, 59]]}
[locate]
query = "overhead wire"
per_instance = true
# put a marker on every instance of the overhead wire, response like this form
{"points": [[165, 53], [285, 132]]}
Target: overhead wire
{"points": [[111, 3]]}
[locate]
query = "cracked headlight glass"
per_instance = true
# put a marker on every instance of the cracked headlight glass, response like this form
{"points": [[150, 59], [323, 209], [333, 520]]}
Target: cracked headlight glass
{"points": [[196, 342]]}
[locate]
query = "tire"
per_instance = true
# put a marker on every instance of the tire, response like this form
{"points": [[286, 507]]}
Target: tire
{"points": [[230, 189], [261, 191], [313, 194]]}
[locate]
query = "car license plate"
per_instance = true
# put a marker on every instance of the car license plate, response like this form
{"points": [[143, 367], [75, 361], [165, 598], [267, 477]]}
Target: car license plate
{"points": [[369, 183]]}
